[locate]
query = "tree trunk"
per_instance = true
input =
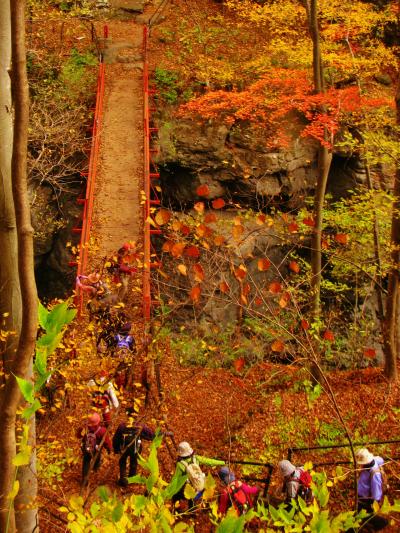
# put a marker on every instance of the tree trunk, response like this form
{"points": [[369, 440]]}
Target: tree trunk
{"points": [[21, 366], [10, 298], [324, 165], [392, 299]]}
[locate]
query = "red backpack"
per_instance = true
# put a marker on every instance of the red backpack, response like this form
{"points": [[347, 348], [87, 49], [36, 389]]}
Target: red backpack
{"points": [[240, 500], [304, 490]]}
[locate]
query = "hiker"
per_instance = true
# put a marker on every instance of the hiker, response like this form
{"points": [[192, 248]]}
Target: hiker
{"points": [[110, 323], [91, 283], [237, 494], [122, 264], [127, 441], [371, 487], [125, 341], [189, 471], [296, 483], [104, 397], [94, 437]]}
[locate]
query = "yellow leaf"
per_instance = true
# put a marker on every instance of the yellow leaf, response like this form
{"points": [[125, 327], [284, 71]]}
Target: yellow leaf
{"points": [[182, 269], [14, 491]]}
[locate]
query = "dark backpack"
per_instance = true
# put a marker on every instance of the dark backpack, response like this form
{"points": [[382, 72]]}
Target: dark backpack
{"points": [[90, 441], [304, 490], [130, 438], [240, 501]]}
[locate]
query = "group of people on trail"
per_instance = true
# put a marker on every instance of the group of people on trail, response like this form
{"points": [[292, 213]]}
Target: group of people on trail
{"points": [[297, 481], [371, 486]]}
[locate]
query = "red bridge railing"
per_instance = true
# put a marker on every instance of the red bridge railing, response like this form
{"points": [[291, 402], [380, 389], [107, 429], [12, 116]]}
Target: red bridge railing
{"points": [[88, 200], [150, 174]]}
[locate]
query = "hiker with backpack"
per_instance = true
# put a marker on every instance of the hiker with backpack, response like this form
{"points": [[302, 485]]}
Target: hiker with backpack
{"points": [[94, 438], [127, 441], [236, 494], [371, 487], [104, 397], [296, 483], [188, 471]]}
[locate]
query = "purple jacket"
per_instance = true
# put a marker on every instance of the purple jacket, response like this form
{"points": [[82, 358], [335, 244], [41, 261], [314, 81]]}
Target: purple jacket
{"points": [[370, 483]]}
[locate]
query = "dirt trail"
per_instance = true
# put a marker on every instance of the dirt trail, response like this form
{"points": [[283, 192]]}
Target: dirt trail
{"points": [[117, 211]]}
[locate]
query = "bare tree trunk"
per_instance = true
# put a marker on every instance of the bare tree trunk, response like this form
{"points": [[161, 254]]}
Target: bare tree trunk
{"points": [[324, 165], [23, 358], [392, 299], [10, 297]]}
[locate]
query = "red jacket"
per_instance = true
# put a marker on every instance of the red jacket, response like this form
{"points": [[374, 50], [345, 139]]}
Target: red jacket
{"points": [[226, 498], [100, 432]]}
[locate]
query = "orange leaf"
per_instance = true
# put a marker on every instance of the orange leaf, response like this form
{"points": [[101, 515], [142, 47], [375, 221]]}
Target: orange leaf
{"points": [[195, 293], [218, 203], [218, 240], [192, 251], [167, 246], [176, 225], [285, 299], [210, 217], [238, 364], [324, 244], [294, 267], [342, 238], [309, 221], [237, 231], [275, 287], [263, 264], [329, 335], [199, 207], [224, 287], [185, 230], [203, 190], [258, 301], [162, 217], [243, 299], [370, 352], [277, 346], [202, 230], [246, 289], [260, 219], [177, 249], [182, 269], [304, 324], [240, 272], [198, 272], [293, 227]]}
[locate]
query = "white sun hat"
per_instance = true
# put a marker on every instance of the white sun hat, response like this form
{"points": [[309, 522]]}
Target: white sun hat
{"points": [[184, 449], [364, 457]]}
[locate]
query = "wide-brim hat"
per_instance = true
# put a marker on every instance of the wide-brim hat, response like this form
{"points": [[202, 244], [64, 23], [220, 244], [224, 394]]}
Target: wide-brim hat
{"points": [[184, 449], [364, 457], [286, 468]]}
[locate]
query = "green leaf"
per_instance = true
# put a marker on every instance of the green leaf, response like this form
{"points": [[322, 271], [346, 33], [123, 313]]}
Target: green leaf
{"points": [[26, 388], [23, 457], [103, 493], [117, 512], [42, 316], [40, 381], [231, 524], [31, 409], [40, 364], [189, 492], [14, 491], [137, 479], [60, 316]]}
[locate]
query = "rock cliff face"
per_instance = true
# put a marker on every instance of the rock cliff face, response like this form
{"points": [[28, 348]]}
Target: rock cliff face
{"points": [[53, 221], [235, 163]]}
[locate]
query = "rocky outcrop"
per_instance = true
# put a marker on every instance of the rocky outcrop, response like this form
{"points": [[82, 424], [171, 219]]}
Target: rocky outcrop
{"points": [[53, 221], [233, 162]]}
